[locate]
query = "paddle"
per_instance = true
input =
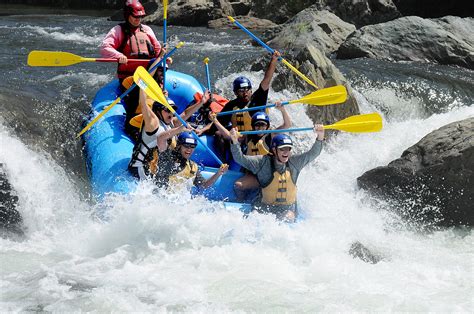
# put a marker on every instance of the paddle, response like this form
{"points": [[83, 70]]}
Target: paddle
{"points": [[144, 80], [208, 76], [116, 101], [39, 58], [363, 123], [323, 97], [165, 14], [292, 68]]}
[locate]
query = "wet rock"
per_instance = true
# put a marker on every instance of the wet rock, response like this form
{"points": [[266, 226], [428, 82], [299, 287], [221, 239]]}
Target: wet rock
{"points": [[357, 12], [432, 183], [321, 28], [446, 40], [150, 8], [10, 218], [184, 13], [247, 21], [436, 8], [313, 63], [358, 250]]}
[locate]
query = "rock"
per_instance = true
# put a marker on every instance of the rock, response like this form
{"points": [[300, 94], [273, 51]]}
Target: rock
{"points": [[358, 250], [439, 8], [357, 12], [319, 69], [10, 218], [247, 21], [184, 13], [446, 40], [432, 183], [321, 28]]}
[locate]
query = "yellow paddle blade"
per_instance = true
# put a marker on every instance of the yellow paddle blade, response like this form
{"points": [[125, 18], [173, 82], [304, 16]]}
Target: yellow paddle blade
{"points": [[165, 9], [137, 121], [100, 115], [146, 82], [297, 72], [323, 97], [38, 58], [371, 122]]}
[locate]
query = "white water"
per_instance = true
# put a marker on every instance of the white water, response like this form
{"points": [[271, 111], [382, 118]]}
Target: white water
{"points": [[177, 254]]}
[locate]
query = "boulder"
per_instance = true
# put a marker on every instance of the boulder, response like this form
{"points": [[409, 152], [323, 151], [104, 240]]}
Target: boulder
{"points": [[357, 12], [435, 8], [313, 63], [184, 13], [432, 182], [321, 28], [446, 40], [10, 219], [247, 21]]}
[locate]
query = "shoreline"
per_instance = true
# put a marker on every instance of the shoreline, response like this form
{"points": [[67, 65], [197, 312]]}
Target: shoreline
{"points": [[24, 9]]}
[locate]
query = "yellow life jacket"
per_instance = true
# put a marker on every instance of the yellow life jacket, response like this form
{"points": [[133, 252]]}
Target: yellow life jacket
{"points": [[257, 149], [188, 172], [280, 191], [241, 120]]}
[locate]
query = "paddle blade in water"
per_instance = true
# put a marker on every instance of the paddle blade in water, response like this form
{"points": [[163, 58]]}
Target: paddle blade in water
{"points": [[38, 58], [323, 97], [364, 123]]}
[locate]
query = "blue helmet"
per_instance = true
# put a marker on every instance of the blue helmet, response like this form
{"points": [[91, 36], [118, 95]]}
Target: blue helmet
{"points": [[281, 140], [241, 82], [260, 116], [187, 138]]}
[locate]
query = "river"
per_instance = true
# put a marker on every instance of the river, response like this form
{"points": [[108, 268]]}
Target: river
{"points": [[177, 254]]}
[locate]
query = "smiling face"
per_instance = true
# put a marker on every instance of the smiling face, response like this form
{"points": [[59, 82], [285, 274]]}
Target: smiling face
{"points": [[244, 93], [159, 76], [186, 150], [282, 154]]}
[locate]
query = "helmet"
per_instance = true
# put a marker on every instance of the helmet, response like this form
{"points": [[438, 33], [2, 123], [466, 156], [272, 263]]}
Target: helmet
{"points": [[241, 82], [133, 7], [281, 140], [260, 116], [187, 138], [157, 106]]}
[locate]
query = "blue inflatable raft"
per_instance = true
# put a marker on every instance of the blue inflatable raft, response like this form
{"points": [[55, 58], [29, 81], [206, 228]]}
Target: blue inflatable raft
{"points": [[108, 149]]}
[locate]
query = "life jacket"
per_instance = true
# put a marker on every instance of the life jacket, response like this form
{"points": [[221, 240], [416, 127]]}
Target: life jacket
{"points": [[260, 148], [142, 153], [241, 120], [188, 172], [135, 45], [281, 190]]}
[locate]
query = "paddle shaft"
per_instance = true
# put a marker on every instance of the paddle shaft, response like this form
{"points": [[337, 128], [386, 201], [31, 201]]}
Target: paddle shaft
{"points": [[122, 96], [275, 131], [208, 77], [271, 50], [164, 44], [250, 109], [141, 61]]}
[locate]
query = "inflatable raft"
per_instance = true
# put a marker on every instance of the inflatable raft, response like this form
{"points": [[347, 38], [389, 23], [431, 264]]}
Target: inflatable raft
{"points": [[108, 149]]}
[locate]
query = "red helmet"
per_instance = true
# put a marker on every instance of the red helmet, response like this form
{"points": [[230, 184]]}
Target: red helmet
{"points": [[133, 7]]}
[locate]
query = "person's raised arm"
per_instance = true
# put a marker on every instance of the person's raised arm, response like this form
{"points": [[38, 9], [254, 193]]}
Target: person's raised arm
{"points": [[149, 117], [219, 126], [162, 141], [286, 117], [301, 160], [210, 182], [193, 108], [265, 84]]}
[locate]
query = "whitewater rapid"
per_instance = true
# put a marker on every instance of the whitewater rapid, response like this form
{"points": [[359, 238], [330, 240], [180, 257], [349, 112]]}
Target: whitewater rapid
{"points": [[170, 252]]}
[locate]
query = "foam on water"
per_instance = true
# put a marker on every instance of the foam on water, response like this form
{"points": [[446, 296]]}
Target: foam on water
{"points": [[174, 253]]}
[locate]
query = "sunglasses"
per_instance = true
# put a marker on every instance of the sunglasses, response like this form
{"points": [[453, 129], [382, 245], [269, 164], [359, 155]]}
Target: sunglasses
{"points": [[192, 146], [260, 124], [284, 149], [138, 16], [243, 90]]}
